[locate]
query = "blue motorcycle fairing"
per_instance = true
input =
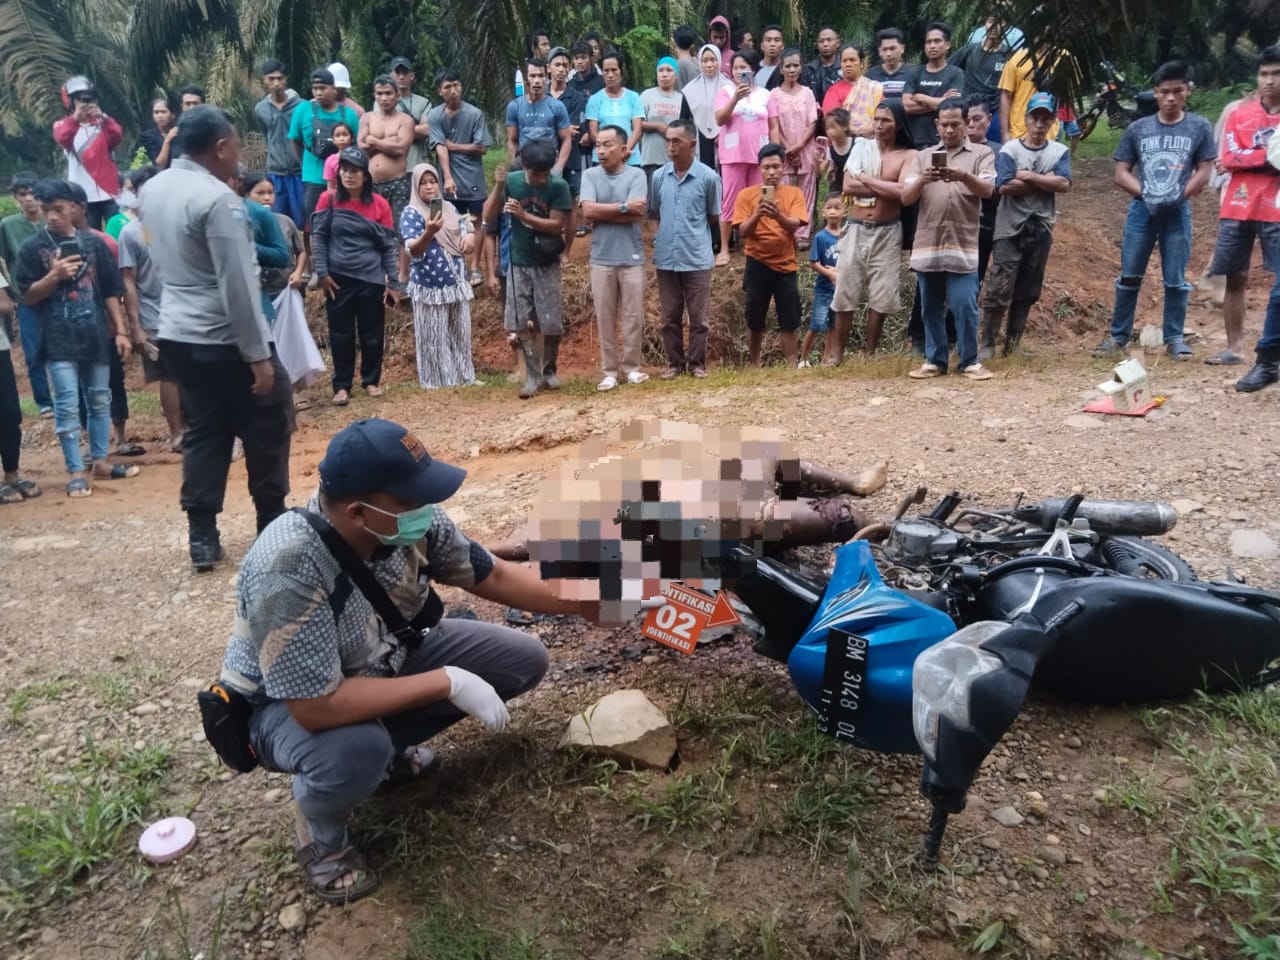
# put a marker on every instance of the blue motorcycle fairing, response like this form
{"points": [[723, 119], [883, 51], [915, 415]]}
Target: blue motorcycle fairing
{"points": [[860, 606]]}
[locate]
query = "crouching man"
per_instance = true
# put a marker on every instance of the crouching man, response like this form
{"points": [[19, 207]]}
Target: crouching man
{"points": [[339, 700]]}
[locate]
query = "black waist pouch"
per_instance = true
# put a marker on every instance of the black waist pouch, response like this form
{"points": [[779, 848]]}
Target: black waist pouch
{"points": [[225, 713]]}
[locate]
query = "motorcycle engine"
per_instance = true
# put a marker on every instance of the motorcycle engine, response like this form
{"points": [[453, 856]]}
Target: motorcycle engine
{"points": [[919, 543]]}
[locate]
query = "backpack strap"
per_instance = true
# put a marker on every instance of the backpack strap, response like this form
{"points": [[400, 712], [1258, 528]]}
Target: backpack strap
{"points": [[409, 633]]}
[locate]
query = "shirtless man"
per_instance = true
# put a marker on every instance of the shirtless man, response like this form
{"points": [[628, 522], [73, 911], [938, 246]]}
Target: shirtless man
{"points": [[870, 260], [386, 134]]}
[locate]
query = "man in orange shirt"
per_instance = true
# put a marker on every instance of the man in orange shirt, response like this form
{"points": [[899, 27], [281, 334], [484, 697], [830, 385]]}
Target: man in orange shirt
{"points": [[767, 217]]}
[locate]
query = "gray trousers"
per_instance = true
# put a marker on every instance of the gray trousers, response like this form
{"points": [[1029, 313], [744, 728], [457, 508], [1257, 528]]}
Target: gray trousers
{"points": [[335, 769]]}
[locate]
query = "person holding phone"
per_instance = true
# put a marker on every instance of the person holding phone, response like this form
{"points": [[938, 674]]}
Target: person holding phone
{"points": [[88, 136], [438, 239], [71, 279], [356, 260], [742, 111]]}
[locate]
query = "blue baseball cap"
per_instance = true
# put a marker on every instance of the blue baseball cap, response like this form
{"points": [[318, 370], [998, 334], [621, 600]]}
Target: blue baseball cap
{"points": [[1041, 101], [378, 456]]}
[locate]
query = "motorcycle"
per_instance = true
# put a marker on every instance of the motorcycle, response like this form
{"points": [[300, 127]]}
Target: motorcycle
{"points": [[1144, 629], [1117, 99]]}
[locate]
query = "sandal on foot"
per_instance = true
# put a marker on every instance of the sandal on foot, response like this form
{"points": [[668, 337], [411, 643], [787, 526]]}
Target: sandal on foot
{"points": [[1179, 350], [1224, 358], [9, 494], [341, 398], [323, 874], [927, 371], [120, 471], [374, 390], [302, 403], [78, 487], [130, 449], [27, 488], [175, 444]]}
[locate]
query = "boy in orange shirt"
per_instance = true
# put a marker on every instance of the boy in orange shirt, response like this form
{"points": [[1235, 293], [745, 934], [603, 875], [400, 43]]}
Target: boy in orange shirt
{"points": [[767, 217]]}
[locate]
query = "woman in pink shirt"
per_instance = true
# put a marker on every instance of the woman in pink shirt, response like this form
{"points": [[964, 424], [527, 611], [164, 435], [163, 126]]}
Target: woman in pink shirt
{"points": [[793, 114], [743, 115]]}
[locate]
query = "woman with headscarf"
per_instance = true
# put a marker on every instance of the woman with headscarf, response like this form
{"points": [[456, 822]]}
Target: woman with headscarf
{"points": [[854, 92], [438, 240], [701, 95], [742, 111]]}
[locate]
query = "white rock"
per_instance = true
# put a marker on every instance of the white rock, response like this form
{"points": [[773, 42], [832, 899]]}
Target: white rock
{"points": [[1082, 421], [293, 918], [626, 726], [1006, 816], [1253, 545], [1185, 507], [145, 709]]}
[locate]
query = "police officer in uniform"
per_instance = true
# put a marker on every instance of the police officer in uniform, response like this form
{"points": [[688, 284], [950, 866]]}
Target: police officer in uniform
{"points": [[213, 335]]}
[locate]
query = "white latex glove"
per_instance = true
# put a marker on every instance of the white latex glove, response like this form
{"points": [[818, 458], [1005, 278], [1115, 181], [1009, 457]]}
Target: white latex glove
{"points": [[475, 696]]}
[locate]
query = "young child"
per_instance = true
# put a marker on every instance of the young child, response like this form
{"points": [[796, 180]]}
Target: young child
{"points": [[343, 137], [832, 164], [822, 257]]}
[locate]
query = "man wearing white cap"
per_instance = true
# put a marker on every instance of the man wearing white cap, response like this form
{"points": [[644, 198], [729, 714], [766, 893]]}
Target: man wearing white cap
{"points": [[342, 80]]}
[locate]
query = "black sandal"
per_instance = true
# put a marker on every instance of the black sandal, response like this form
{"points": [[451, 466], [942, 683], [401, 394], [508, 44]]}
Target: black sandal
{"points": [[323, 873]]}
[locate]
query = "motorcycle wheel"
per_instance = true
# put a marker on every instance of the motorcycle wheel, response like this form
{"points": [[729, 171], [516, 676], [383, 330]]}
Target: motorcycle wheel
{"points": [[1087, 123], [1156, 562]]}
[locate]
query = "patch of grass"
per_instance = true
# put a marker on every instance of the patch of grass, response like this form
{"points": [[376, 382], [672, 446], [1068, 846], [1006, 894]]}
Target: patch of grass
{"points": [[449, 931], [1138, 793], [142, 403], [20, 700], [696, 801], [115, 690], [1225, 848], [48, 847], [181, 942]]}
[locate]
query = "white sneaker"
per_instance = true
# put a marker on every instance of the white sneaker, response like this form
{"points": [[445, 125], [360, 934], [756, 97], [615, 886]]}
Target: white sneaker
{"points": [[637, 376], [608, 383], [976, 371], [802, 365]]}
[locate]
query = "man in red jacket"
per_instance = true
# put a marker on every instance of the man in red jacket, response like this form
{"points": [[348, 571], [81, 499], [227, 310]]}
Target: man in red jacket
{"points": [[88, 136]]}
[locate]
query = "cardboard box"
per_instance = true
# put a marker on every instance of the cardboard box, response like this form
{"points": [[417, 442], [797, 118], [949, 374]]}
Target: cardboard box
{"points": [[1127, 387]]}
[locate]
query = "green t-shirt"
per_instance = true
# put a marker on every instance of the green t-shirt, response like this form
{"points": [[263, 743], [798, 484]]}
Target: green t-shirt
{"points": [[538, 200], [115, 225], [302, 130], [15, 230]]}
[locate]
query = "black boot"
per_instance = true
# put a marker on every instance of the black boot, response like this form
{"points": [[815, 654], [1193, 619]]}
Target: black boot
{"points": [[532, 367], [1266, 371], [992, 321], [268, 512], [550, 356], [204, 543]]}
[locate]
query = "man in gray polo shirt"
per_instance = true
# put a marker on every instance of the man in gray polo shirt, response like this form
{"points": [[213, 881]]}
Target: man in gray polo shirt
{"points": [[686, 203], [213, 336], [613, 202]]}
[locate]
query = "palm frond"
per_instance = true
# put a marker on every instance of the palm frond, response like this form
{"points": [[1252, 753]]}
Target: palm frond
{"points": [[37, 53], [159, 27]]}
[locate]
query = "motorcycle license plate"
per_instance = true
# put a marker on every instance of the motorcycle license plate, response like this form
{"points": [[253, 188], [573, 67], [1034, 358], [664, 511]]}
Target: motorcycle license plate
{"points": [[844, 676]]}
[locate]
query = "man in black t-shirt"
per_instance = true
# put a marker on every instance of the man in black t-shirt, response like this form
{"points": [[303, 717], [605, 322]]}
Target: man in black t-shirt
{"points": [[933, 82], [891, 73], [982, 64]]}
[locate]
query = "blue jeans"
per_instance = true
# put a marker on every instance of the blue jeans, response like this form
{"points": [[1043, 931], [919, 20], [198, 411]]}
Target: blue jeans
{"points": [[66, 379], [1171, 229], [1270, 339], [29, 331], [959, 291]]}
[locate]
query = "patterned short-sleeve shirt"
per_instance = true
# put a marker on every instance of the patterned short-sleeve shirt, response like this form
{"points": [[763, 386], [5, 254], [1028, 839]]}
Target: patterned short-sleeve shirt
{"points": [[302, 626]]}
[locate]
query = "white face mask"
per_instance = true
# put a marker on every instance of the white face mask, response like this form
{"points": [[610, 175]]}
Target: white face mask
{"points": [[128, 200]]}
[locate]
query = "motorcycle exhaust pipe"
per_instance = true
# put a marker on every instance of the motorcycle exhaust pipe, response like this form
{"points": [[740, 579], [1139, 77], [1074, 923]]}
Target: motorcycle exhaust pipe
{"points": [[1143, 518]]}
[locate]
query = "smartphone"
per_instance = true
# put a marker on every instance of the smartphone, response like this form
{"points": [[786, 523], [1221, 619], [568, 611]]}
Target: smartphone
{"points": [[68, 248], [744, 77], [822, 142], [766, 193], [938, 158], [436, 207]]}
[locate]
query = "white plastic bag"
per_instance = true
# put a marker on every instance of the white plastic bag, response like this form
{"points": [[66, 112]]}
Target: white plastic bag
{"points": [[294, 343]]}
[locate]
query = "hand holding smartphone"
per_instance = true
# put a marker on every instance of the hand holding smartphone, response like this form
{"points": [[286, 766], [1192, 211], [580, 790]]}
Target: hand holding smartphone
{"points": [[435, 207], [767, 193], [938, 158]]}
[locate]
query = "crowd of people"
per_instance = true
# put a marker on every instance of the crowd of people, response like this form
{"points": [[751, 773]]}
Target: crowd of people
{"points": [[952, 164]]}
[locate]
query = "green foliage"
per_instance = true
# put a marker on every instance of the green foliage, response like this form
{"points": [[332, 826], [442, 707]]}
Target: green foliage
{"points": [[642, 46], [451, 931], [79, 821]]}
